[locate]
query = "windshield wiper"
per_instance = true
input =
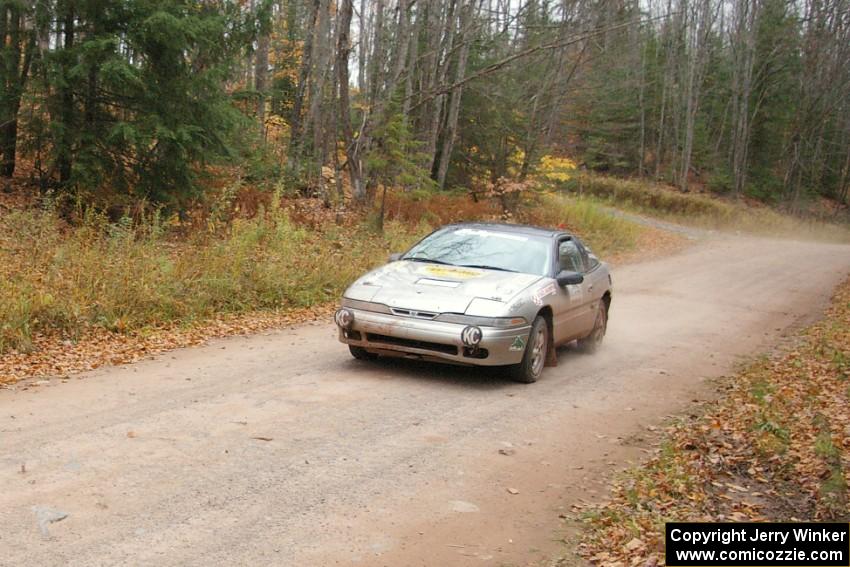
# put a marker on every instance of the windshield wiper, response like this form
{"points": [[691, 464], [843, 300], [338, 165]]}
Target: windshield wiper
{"points": [[485, 267], [426, 260]]}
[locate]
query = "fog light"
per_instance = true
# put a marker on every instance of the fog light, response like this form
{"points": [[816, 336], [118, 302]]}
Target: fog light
{"points": [[471, 336], [344, 318]]}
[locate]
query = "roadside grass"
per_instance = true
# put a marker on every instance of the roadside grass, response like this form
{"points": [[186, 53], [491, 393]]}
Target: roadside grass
{"points": [[605, 233], [775, 446], [649, 198], [131, 276], [126, 276]]}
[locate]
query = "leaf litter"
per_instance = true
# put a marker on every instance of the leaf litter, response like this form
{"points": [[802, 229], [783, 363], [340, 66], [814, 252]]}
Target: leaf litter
{"points": [[54, 355], [774, 446]]}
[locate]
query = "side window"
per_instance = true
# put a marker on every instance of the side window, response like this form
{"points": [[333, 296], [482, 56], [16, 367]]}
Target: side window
{"points": [[569, 257], [590, 260]]}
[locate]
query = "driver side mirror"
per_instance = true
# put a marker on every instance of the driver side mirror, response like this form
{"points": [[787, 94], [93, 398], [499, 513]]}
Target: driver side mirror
{"points": [[394, 256], [566, 277]]}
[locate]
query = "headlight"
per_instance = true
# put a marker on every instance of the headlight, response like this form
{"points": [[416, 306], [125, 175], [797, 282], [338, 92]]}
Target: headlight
{"points": [[344, 318], [499, 322]]}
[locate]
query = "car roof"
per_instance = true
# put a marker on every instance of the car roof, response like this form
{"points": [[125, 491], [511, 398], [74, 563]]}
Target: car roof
{"points": [[511, 228]]}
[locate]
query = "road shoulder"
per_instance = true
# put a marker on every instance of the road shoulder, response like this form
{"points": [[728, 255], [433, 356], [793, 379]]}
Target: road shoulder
{"points": [[774, 445]]}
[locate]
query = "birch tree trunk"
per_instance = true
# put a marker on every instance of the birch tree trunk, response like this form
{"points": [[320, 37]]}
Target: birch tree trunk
{"points": [[352, 146], [742, 91], [304, 73], [261, 72], [454, 104], [701, 32]]}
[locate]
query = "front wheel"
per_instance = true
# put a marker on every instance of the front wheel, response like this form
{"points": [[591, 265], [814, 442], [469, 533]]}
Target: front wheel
{"points": [[534, 359], [591, 343]]}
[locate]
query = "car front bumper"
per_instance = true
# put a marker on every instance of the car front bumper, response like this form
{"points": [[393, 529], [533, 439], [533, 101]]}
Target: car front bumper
{"points": [[433, 340]]}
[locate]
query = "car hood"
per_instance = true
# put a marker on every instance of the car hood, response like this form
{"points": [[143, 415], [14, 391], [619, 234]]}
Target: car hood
{"points": [[437, 288]]}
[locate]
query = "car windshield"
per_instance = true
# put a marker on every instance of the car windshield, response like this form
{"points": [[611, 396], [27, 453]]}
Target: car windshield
{"points": [[485, 248]]}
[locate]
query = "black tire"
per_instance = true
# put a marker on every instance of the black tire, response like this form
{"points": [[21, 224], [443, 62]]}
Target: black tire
{"points": [[536, 350], [591, 343], [361, 353]]}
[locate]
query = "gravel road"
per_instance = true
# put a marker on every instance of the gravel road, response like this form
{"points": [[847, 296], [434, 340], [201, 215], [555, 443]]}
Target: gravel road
{"points": [[280, 449]]}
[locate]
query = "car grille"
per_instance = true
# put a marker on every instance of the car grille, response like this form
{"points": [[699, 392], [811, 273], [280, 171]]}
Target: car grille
{"points": [[427, 315], [411, 343]]}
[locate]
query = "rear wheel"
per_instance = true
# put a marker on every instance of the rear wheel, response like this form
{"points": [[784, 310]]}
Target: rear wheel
{"points": [[534, 359], [591, 343], [361, 353]]}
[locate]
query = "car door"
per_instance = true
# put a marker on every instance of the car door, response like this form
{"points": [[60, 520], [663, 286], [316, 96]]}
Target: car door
{"points": [[570, 305], [593, 286]]}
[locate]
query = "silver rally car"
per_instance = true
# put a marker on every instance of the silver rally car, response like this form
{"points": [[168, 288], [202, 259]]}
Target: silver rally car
{"points": [[481, 294]]}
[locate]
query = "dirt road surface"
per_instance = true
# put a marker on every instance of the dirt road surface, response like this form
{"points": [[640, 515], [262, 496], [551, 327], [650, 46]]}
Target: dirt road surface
{"points": [[282, 450]]}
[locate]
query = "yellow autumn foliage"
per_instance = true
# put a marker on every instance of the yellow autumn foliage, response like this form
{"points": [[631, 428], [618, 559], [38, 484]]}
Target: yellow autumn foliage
{"points": [[556, 168]]}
